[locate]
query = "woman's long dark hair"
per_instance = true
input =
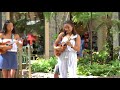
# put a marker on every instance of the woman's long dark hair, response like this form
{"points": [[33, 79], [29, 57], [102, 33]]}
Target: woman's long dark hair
{"points": [[72, 24], [5, 27]]}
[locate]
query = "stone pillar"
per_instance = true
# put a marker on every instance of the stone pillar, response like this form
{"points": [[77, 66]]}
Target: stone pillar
{"points": [[115, 31], [46, 39], [7, 15], [102, 33]]}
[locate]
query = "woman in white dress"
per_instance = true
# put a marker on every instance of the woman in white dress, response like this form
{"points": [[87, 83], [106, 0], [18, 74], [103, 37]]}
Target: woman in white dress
{"points": [[67, 60]]}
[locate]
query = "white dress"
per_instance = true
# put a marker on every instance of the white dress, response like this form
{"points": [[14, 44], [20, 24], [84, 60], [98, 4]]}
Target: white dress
{"points": [[68, 60]]}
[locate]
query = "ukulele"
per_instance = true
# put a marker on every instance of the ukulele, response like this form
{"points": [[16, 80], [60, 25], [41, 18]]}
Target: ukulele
{"points": [[4, 46], [62, 46]]}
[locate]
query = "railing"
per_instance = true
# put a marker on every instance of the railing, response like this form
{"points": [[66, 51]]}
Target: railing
{"points": [[24, 60]]}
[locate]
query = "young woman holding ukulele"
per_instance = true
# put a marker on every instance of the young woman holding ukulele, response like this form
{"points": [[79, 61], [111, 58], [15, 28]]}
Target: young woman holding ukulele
{"points": [[9, 42], [67, 60]]}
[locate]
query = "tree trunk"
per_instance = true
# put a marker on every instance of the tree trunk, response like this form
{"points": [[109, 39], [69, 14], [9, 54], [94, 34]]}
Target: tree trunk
{"points": [[110, 45]]}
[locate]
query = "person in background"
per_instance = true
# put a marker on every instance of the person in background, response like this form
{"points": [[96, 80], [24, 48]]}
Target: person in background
{"points": [[80, 53]]}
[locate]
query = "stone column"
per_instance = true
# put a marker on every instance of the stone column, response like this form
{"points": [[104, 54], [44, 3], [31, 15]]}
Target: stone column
{"points": [[7, 15], [115, 31], [102, 33], [46, 39]]}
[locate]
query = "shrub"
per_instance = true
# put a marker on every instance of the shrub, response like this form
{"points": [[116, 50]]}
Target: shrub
{"points": [[96, 69], [43, 65]]}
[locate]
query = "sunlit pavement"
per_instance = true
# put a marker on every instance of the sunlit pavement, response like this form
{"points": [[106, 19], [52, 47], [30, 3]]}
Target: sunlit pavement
{"points": [[51, 75]]}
